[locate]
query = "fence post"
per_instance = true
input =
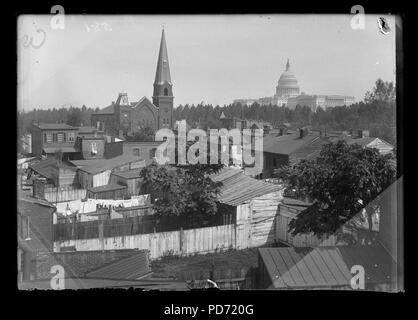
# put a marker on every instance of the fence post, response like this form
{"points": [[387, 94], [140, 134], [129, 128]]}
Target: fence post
{"points": [[181, 236], [101, 240]]}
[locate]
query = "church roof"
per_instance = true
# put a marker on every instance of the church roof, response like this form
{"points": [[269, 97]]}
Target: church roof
{"points": [[163, 69], [107, 110]]}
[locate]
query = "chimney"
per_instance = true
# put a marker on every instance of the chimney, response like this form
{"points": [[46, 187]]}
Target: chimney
{"points": [[303, 132], [359, 133]]}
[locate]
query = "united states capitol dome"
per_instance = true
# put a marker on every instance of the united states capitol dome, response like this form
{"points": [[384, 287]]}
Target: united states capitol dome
{"points": [[288, 84]]}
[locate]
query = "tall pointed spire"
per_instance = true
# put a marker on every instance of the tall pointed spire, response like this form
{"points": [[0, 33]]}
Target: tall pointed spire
{"points": [[287, 65], [163, 69]]}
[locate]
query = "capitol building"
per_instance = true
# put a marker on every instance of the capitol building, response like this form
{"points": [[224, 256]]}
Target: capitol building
{"points": [[288, 95]]}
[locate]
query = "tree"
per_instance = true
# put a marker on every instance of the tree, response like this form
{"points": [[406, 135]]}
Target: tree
{"points": [[342, 181], [144, 134], [74, 117], [382, 91], [183, 191]]}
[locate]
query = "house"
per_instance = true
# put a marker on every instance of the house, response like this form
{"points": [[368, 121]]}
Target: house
{"points": [[288, 148], [143, 149], [56, 173], [34, 226], [372, 142], [49, 138], [90, 142], [98, 172], [232, 122], [325, 267]]}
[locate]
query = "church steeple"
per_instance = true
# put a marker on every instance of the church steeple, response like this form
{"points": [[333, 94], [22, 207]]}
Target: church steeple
{"points": [[163, 88], [163, 69]]}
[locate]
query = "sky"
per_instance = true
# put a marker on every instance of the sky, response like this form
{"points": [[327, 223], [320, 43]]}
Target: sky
{"points": [[213, 58]]}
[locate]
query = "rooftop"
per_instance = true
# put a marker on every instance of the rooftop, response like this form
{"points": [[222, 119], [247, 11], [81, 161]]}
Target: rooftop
{"points": [[88, 129], [288, 143], [297, 268], [238, 188], [129, 174], [54, 126], [108, 187], [101, 165]]}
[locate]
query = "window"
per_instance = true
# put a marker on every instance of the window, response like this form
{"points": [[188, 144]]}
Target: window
{"points": [[47, 137], [54, 137], [152, 153], [135, 152], [71, 136], [60, 137], [165, 91]]}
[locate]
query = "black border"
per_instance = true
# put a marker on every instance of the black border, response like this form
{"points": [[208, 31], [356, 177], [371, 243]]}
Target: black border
{"points": [[268, 304]]}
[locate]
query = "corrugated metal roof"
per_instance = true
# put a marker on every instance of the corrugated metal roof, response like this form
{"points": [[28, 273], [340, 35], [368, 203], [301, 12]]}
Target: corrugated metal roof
{"points": [[108, 187], [107, 164], [45, 167], [293, 268], [238, 188], [131, 267]]}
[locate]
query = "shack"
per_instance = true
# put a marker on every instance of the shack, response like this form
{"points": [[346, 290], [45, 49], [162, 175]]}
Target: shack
{"points": [[130, 178], [109, 191], [98, 173]]}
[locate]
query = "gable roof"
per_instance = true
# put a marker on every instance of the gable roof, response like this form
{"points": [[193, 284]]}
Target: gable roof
{"points": [[142, 100], [45, 167], [106, 110], [109, 164], [238, 188]]}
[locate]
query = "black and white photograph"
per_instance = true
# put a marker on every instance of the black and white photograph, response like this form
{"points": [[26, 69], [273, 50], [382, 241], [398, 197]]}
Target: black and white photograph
{"points": [[203, 152]]}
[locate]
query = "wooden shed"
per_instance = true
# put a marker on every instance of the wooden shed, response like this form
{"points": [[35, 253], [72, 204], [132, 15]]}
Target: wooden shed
{"points": [[98, 173], [130, 178], [110, 191]]}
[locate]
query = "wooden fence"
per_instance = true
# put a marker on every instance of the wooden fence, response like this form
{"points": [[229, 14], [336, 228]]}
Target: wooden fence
{"points": [[173, 243], [64, 194], [129, 226]]}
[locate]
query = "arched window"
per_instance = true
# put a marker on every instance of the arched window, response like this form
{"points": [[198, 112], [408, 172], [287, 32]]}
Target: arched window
{"points": [[165, 91]]}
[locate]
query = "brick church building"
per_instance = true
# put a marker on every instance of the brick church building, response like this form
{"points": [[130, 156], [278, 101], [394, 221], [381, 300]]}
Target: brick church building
{"points": [[123, 117]]}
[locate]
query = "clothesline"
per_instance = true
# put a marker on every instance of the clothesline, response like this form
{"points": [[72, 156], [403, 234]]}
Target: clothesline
{"points": [[90, 205]]}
